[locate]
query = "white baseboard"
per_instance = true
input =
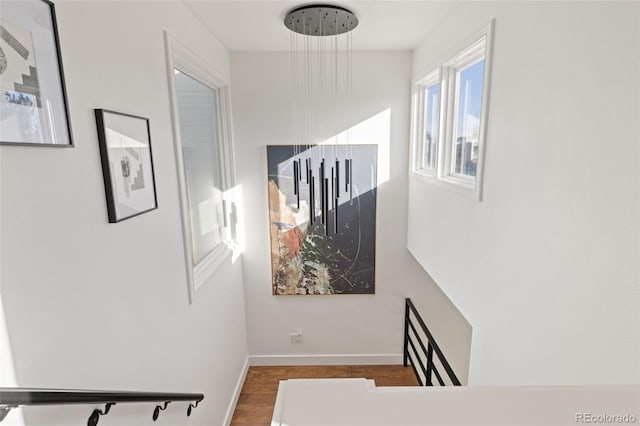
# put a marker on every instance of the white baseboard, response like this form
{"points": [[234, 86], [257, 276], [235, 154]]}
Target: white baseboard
{"points": [[337, 359], [236, 393]]}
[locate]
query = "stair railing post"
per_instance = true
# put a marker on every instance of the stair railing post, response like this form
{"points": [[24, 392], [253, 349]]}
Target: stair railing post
{"points": [[406, 333], [429, 372]]}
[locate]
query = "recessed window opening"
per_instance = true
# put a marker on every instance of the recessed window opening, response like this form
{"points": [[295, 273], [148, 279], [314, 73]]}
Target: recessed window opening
{"points": [[204, 161], [450, 115], [198, 114]]}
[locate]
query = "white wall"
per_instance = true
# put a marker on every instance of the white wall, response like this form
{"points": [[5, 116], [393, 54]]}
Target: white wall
{"points": [[342, 325], [93, 305], [545, 268]]}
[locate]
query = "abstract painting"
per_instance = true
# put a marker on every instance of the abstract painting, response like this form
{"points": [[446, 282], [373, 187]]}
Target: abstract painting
{"points": [[321, 248]]}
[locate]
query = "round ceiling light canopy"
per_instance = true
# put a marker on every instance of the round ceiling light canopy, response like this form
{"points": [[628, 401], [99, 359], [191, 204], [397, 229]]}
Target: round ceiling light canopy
{"points": [[320, 20]]}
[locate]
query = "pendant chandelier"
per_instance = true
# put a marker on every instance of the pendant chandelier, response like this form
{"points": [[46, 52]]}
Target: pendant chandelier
{"points": [[321, 65]]}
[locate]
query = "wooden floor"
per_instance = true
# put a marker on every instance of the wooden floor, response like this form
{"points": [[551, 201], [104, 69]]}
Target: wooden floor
{"points": [[255, 405]]}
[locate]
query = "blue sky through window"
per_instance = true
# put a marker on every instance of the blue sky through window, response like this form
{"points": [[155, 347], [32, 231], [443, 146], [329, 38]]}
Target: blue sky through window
{"points": [[470, 99]]}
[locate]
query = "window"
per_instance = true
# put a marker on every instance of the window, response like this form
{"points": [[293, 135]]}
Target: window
{"points": [[451, 115], [204, 162], [465, 75], [429, 100], [199, 123]]}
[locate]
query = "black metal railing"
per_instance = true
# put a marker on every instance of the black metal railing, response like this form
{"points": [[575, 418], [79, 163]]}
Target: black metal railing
{"points": [[425, 355], [13, 397]]}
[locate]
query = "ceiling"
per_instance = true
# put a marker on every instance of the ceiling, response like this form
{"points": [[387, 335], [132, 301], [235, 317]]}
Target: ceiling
{"points": [[243, 25]]}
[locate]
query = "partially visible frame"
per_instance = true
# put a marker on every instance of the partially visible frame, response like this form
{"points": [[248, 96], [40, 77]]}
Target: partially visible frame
{"points": [[33, 101], [127, 164]]}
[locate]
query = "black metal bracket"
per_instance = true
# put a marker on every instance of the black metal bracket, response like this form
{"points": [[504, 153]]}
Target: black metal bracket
{"points": [[95, 416], [4, 410], [191, 406], [156, 411]]}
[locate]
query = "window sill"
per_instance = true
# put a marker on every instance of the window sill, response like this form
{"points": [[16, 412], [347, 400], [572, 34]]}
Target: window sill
{"points": [[207, 266], [424, 173], [468, 190], [468, 184]]}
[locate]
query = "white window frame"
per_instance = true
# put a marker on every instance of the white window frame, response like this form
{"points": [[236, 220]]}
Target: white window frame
{"points": [[478, 46], [421, 86], [183, 59], [451, 74]]}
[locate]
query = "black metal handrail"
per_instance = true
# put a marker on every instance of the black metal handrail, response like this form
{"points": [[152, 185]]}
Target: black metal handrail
{"points": [[13, 397], [432, 347]]}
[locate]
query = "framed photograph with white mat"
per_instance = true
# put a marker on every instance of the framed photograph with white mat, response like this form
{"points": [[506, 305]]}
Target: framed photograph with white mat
{"points": [[127, 164], [33, 100]]}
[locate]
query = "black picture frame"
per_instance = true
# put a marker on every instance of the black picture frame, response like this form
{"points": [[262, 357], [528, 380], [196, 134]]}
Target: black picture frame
{"points": [[34, 107], [127, 164]]}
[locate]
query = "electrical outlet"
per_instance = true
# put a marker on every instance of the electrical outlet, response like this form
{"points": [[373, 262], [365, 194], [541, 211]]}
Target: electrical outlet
{"points": [[295, 337]]}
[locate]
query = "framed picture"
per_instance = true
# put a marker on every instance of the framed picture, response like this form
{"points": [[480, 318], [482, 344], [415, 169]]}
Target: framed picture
{"points": [[33, 100], [127, 165], [322, 247]]}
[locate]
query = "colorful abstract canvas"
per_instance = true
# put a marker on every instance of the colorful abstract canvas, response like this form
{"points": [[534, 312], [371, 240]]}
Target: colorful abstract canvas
{"points": [[316, 247]]}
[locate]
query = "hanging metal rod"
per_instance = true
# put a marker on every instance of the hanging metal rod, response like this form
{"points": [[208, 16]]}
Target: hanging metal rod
{"points": [[14, 397]]}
